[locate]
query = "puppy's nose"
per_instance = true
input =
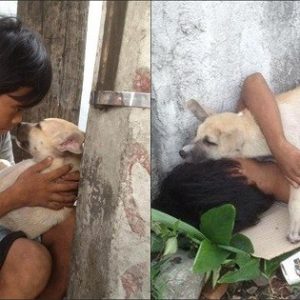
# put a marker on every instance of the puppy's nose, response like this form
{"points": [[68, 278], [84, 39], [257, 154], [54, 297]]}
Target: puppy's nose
{"points": [[182, 153], [22, 131]]}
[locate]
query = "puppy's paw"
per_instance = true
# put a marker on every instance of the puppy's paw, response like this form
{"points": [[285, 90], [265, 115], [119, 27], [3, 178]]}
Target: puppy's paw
{"points": [[294, 233], [292, 238]]}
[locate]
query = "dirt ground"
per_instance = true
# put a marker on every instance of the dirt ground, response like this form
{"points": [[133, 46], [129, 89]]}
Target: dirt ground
{"points": [[275, 288]]}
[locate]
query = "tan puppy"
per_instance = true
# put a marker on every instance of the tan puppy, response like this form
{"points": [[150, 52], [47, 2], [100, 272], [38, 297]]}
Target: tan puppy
{"points": [[232, 135], [51, 137]]}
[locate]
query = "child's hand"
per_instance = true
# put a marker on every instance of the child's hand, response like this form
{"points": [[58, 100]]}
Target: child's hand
{"points": [[48, 189], [288, 159]]}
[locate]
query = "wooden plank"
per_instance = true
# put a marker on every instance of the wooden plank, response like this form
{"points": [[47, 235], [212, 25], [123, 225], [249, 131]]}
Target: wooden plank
{"points": [[62, 25], [111, 45]]}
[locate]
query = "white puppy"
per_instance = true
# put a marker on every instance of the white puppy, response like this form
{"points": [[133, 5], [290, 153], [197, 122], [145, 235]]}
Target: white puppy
{"points": [[57, 138], [233, 135]]}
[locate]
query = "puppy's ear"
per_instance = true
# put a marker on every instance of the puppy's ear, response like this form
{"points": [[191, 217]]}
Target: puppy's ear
{"points": [[197, 110], [72, 143]]}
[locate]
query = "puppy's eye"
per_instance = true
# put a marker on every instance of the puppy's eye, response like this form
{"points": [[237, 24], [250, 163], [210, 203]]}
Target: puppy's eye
{"points": [[208, 142], [38, 125]]}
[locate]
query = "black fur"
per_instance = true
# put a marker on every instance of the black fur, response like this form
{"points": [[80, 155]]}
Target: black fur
{"points": [[191, 189]]}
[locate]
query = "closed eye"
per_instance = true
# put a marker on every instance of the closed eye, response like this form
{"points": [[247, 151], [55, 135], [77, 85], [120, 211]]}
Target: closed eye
{"points": [[208, 142]]}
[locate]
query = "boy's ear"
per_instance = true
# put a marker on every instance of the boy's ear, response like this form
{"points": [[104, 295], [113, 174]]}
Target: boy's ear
{"points": [[72, 143]]}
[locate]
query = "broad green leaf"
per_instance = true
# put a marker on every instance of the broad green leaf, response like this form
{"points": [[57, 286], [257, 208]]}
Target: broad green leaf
{"points": [[209, 257], [157, 243], [182, 227], [242, 242], [247, 271], [270, 266], [171, 246], [217, 224], [243, 259]]}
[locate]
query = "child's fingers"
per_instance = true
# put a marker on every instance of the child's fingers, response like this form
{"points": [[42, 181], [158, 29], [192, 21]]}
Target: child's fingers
{"points": [[72, 176], [293, 181], [59, 172], [42, 165]]}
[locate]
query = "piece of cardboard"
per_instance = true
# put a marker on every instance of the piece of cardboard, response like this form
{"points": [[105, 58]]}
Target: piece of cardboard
{"points": [[269, 235]]}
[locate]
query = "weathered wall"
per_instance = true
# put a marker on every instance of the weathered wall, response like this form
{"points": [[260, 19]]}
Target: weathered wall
{"points": [[204, 50]]}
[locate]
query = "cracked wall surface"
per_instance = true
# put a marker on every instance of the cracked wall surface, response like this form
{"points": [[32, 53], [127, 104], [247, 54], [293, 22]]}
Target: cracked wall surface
{"points": [[204, 50]]}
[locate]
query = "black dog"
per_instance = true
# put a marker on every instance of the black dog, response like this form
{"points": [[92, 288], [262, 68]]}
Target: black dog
{"points": [[192, 189]]}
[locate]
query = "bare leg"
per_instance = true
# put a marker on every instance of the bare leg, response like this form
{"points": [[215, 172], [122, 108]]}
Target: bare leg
{"points": [[26, 270], [58, 241]]}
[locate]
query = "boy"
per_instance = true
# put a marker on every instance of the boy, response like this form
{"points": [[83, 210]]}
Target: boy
{"points": [[28, 268]]}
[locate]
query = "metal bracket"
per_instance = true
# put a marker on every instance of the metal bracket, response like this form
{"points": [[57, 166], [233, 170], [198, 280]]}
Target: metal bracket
{"points": [[121, 99]]}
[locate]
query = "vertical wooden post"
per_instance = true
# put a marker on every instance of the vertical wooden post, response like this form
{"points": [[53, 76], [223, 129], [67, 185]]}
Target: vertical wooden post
{"points": [[62, 25], [111, 256]]}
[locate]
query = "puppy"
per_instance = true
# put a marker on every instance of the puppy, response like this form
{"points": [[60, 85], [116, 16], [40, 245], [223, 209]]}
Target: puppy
{"points": [[191, 189], [230, 135], [57, 138]]}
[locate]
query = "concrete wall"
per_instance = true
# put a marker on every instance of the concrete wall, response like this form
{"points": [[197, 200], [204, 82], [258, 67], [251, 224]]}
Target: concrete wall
{"points": [[112, 242], [204, 50]]}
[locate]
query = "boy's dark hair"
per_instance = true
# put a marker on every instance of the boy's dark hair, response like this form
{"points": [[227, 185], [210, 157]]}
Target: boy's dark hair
{"points": [[191, 189], [24, 62]]}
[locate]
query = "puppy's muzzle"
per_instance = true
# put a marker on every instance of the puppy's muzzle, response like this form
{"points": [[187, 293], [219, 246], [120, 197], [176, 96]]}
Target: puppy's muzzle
{"points": [[22, 133], [193, 153], [187, 151]]}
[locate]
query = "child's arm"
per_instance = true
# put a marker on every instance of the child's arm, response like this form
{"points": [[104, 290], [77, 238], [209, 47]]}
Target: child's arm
{"points": [[53, 190], [259, 99]]}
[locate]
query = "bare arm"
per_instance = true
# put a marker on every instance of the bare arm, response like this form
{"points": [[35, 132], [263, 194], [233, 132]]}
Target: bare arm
{"points": [[259, 99], [55, 189], [267, 176]]}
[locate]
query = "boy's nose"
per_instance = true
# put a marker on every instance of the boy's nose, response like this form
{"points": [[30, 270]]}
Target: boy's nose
{"points": [[17, 119]]}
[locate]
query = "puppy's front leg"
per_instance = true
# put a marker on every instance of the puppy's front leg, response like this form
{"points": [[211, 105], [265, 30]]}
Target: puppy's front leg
{"points": [[294, 212]]}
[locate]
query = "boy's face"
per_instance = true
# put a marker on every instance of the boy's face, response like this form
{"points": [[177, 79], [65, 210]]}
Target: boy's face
{"points": [[11, 110]]}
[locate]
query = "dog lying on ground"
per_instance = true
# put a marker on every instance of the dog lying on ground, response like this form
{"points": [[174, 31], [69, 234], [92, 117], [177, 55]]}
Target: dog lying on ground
{"points": [[230, 135], [191, 189], [51, 137]]}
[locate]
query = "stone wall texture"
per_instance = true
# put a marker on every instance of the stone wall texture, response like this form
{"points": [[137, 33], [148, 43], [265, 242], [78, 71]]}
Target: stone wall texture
{"points": [[204, 50]]}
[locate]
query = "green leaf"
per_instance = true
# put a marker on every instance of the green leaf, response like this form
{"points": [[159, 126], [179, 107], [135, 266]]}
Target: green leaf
{"points": [[157, 243], [171, 246], [217, 224], [232, 249], [161, 230], [171, 222], [270, 266], [249, 270], [242, 242], [215, 276], [209, 257], [157, 284], [242, 259]]}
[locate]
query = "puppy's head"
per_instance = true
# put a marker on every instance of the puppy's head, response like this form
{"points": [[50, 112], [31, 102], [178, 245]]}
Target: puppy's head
{"points": [[218, 136], [50, 137]]}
